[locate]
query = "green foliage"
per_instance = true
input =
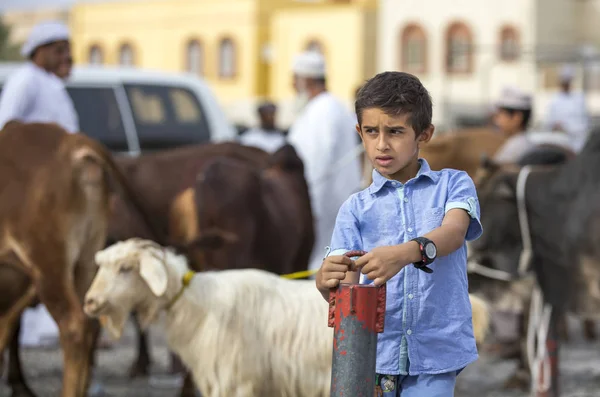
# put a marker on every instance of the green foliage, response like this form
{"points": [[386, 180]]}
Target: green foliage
{"points": [[8, 50]]}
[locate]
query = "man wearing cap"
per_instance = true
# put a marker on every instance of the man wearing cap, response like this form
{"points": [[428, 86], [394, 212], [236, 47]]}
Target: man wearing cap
{"points": [[35, 92], [567, 111], [324, 137], [266, 136], [513, 111]]}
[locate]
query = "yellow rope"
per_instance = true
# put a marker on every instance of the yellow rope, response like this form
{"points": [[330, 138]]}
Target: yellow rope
{"points": [[185, 281], [302, 274], [189, 275]]}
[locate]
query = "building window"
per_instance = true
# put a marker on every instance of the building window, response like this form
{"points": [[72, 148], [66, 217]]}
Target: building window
{"points": [[227, 59], [459, 49], [95, 56], [413, 45], [195, 58], [316, 46], [126, 55], [509, 44]]}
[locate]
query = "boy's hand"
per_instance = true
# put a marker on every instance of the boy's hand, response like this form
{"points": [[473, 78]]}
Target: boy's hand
{"points": [[383, 263], [333, 270]]}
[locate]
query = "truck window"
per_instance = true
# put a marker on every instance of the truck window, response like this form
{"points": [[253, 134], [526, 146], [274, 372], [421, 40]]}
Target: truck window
{"points": [[166, 116], [99, 116]]}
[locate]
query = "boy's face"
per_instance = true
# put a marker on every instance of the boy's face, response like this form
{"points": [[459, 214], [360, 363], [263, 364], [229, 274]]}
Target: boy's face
{"points": [[391, 143], [507, 123]]}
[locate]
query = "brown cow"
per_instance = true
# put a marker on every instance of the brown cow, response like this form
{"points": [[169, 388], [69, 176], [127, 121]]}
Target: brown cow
{"points": [[160, 177], [237, 216], [462, 150], [54, 212]]}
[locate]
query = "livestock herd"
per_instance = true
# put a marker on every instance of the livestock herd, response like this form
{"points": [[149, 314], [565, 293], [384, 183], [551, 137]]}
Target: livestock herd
{"points": [[220, 208]]}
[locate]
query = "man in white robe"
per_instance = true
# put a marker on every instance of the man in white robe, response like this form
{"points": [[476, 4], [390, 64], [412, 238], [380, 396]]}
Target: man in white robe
{"points": [[567, 111], [266, 136], [324, 137], [36, 93]]}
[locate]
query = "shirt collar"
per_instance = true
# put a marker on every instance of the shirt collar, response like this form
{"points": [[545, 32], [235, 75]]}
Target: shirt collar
{"points": [[379, 181]]}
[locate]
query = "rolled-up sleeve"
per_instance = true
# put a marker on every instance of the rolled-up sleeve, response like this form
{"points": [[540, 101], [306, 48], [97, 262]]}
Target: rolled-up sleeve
{"points": [[462, 194], [346, 233]]}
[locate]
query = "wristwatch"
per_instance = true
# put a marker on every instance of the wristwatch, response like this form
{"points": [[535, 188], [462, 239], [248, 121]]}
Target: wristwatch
{"points": [[428, 253]]}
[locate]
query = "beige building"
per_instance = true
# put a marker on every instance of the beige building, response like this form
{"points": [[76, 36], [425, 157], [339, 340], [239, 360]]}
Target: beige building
{"points": [[466, 51], [22, 20], [243, 48]]}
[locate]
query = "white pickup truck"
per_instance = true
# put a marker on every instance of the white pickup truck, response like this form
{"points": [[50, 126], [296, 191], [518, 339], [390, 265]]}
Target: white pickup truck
{"points": [[134, 110]]}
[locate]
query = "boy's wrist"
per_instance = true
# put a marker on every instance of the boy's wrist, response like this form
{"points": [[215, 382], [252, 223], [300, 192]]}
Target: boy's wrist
{"points": [[410, 252]]}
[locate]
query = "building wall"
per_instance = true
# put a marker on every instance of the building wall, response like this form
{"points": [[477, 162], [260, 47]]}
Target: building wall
{"points": [[162, 30], [343, 32], [556, 25], [484, 20], [266, 33], [22, 21]]}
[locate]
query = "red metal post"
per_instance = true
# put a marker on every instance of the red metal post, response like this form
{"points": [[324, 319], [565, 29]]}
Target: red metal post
{"points": [[356, 313], [552, 349]]}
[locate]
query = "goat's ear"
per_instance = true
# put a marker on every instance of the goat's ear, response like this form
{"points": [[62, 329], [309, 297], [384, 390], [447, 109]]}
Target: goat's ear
{"points": [[154, 273], [213, 239]]}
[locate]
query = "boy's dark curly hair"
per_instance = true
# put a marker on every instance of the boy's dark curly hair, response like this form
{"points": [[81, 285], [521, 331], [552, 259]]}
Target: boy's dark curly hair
{"points": [[396, 93]]}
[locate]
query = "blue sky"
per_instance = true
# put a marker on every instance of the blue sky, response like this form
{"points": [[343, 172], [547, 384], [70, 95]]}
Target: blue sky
{"points": [[28, 4]]}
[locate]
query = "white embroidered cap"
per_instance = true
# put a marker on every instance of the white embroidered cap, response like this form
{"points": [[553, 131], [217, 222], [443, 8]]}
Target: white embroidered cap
{"points": [[514, 98], [44, 33], [567, 73], [309, 64]]}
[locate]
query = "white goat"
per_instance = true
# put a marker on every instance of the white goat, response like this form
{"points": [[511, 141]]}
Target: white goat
{"points": [[241, 332]]}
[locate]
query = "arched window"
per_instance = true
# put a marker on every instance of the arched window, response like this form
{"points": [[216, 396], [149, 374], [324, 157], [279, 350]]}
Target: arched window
{"points": [[195, 58], [316, 46], [95, 56], [459, 49], [509, 44], [413, 49], [227, 59], [126, 57]]}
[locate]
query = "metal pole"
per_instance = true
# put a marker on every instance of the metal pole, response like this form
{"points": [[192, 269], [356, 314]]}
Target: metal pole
{"points": [[552, 349], [356, 313]]}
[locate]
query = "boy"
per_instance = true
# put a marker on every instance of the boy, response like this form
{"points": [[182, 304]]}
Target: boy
{"points": [[513, 112], [428, 337]]}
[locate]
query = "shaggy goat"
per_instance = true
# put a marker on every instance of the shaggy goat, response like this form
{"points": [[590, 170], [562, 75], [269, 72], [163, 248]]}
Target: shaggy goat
{"points": [[241, 332]]}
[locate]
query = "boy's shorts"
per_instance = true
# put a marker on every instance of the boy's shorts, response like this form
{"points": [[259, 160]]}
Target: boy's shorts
{"points": [[440, 385]]}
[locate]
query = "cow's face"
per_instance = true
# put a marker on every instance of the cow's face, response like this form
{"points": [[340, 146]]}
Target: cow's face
{"points": [[131, 277], [500, 245]]}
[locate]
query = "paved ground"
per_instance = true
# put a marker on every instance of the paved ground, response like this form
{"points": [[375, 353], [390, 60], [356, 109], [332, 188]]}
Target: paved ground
{"points": [[580, 366]]}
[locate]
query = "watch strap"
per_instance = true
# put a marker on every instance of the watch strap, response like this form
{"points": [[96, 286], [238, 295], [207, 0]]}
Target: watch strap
{"points": [[422, 265]]}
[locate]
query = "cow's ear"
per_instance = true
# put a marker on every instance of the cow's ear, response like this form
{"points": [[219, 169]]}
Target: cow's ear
{"points": [[214, 239], [505, 188], [488, 164]]}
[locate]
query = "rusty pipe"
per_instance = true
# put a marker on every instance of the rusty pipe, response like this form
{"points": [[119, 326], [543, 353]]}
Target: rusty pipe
{"points": [[356, 314]]}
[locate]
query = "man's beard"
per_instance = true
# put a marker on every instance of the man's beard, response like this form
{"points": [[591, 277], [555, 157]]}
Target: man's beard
{"points": [[300, 102]]}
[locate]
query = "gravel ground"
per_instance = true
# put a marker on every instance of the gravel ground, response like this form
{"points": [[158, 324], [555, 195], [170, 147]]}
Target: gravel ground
{"points": [[580, 371]]}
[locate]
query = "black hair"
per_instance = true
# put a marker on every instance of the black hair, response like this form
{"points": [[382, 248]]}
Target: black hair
{"points": [[266, 106], [526, 115], [396, 93]]}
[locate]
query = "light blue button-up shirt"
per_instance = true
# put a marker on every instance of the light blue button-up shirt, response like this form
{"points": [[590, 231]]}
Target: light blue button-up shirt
{"points": [[428, 320]]}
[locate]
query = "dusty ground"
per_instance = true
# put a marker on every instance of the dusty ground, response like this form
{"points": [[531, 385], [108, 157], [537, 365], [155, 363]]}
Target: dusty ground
{"points": [[580, 366]]}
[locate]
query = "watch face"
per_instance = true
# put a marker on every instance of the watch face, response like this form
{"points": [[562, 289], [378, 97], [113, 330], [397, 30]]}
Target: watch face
{"points": [[430, 250]]}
